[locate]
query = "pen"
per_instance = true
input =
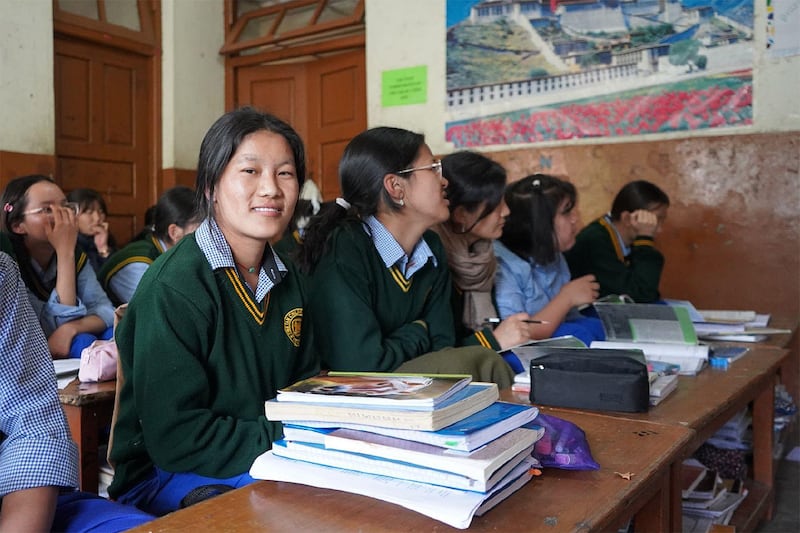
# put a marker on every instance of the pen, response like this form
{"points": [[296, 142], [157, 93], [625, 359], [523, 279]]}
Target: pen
{"points": [[495, 320]]}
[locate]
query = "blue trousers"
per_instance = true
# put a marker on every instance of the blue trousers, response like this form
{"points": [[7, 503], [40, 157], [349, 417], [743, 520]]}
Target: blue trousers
{"points": [[83, 340], [162, 492], [89, 513]]}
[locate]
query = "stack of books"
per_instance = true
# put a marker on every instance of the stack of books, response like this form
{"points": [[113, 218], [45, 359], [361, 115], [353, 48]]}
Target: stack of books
{"points": [[663, 380], [707, 498], [443, 446]]}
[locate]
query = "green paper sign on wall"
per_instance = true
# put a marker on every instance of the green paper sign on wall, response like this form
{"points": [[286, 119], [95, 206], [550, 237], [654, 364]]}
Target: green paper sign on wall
{"points": [[404, 86]]}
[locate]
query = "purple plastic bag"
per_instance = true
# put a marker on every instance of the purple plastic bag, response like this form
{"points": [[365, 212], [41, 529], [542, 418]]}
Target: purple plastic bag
{"points": [[563, 445]]}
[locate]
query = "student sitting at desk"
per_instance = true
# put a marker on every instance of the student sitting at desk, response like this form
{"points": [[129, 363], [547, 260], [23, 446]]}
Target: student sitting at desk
{"points": [[619, 247], [532, 275], [379, 276], [175, 216], [215, 328], [93, 235], [63, 290], [478, 211], [38, 460]]}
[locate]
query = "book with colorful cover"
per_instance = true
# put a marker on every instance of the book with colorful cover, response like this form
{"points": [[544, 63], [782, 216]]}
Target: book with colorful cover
{"points": [[360, 388], [466, 435], [465, 402]]}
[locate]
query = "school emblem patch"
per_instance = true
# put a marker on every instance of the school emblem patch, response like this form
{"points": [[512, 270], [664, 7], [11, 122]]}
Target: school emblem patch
{"points": [[292, 322]]}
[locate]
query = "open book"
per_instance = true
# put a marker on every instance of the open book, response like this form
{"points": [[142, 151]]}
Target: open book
{"points": [[663, 332]]}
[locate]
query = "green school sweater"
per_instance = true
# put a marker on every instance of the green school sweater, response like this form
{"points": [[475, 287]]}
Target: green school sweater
{"points": [[367, 317], [142, 251], [199, 358], [597, 251]]}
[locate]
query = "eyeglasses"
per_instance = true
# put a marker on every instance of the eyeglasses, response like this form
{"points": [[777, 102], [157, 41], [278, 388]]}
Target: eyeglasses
{"points": [[436, 166], [48, 209]]}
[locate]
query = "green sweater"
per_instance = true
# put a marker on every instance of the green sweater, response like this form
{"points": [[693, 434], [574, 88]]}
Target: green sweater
{"points": [[369, 318], [199, 358], [598, 251], [144, 250]]}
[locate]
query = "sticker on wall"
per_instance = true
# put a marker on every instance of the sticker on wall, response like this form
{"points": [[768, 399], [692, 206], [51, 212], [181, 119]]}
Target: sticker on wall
{"points": [[404, 86], [521, 71], [783, 19]]}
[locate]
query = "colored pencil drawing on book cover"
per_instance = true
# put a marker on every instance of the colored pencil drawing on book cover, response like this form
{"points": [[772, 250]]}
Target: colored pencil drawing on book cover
{"points": [[403, 388]]}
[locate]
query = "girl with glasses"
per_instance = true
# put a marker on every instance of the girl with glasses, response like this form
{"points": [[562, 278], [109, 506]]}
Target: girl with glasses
{"points": [[379, 275], [42, 226]]}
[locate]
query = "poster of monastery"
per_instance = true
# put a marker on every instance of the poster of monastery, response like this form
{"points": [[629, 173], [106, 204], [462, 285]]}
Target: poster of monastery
{"points": [[530, 71]]}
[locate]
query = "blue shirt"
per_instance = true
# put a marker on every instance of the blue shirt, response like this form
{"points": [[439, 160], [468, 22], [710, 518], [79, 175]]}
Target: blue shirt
{"points": [[91, 299], [522, 285], [124, 282], [218, 253], [36, 448], [392, 253]]}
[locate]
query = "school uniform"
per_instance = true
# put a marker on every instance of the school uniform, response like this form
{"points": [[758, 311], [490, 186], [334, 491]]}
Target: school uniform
{"points": [[522, 285], [200, 353], [121, 273], [635, 270], [36, 448], [377, 309], [91, 299]]}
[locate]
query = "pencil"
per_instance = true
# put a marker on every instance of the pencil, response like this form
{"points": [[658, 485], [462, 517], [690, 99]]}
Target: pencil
{"points": [[495, 320]]}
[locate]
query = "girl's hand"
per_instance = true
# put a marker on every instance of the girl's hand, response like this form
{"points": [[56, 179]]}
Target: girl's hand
{"points": [[101, 237], [61, 340], [513, 331], [583, 290], [644, 222], [63, 233]]}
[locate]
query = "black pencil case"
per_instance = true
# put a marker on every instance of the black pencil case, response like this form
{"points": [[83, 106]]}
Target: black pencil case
{"points": [[591, 378]]}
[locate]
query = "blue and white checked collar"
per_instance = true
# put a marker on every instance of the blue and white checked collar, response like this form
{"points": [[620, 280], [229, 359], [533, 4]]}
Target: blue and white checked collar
{"points": [[218, 254], [626, 250], [392, 253]]}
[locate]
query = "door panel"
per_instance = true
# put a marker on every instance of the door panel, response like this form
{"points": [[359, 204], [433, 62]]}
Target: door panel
{"points": [[324, 100], [102, 130]]}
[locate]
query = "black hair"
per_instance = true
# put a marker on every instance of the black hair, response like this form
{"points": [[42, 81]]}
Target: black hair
{"points": [[175, 206], [85, 198], [223, 139], [367, 158], [533, 202], [14, 202], [473, 180], [636, 195]]}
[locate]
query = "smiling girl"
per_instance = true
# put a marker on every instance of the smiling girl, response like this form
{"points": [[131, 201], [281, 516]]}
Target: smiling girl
{"points": [[379, 275], [72, 307], [533, 275], [215, 326]]}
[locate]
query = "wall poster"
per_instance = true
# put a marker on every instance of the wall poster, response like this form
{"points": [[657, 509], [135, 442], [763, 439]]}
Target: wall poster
{"points": [[526, 71]]}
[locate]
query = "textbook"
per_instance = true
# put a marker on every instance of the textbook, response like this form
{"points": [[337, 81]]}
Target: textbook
{"points": [[360, 388], [479, 464], [662, 387], [654, 323], [691, 358], [319, 454], [467, 401], [465, 435], [452, 506]]}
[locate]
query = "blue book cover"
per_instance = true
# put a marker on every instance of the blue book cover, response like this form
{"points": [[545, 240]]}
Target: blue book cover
{"points": [[465, 435]]}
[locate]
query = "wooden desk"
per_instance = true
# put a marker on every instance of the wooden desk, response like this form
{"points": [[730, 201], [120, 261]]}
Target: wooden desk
{"points": [[88, 408], [705, 402], [559, 500]]}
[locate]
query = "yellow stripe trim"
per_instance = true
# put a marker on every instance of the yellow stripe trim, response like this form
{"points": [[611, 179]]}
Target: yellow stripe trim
{"points": [[643, 242], [613, 234], [404, 283], [252, 307], [126, 262], [481, 336]]}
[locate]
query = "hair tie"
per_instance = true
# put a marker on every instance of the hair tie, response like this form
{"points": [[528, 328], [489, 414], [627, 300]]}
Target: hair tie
{"points": [[344, 204], [8, 207]]}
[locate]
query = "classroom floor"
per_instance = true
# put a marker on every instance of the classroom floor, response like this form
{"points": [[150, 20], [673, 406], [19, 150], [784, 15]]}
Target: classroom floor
{"points": [[786, 518]]}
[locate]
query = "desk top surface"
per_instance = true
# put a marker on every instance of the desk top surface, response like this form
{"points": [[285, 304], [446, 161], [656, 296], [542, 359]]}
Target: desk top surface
{"points": [[559, 500], [80, 394]]}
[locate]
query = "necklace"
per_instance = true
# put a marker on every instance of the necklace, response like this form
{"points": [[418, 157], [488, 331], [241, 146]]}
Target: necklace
{"points": [[250, 270]]}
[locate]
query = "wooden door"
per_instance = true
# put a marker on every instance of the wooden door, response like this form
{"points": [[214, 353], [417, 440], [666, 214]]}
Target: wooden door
{"points": [[103, 138], [324, 100]]}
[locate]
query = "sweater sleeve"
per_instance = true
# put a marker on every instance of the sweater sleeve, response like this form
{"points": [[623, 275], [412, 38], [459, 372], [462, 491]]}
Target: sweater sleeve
{"points": [[350, 336]]}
